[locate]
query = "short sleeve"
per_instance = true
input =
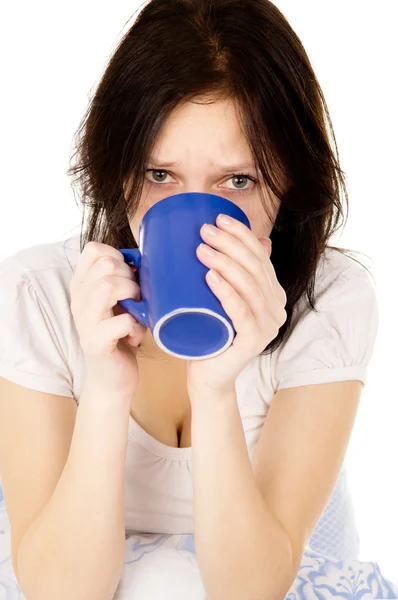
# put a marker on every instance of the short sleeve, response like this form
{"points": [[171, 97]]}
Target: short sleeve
{"points": [[337, 342], [31, 354]]}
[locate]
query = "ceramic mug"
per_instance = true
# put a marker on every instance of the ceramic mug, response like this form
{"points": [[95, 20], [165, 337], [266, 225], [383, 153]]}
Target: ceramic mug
{"points": [[186, 319]]}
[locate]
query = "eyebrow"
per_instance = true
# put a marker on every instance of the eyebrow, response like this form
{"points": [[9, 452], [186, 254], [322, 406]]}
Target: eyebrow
{"points": [[221, 167]]}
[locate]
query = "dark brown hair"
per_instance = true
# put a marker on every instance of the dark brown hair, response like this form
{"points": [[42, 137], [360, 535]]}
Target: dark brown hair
{"points": [[244, 50]]}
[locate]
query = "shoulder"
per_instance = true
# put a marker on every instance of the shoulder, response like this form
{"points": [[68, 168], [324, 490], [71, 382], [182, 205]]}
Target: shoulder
{"points": [[38, 339], [335, 341], [335, 267], [345, 300], [46, 267], [60, 254], [339, 281], [35, 284]]}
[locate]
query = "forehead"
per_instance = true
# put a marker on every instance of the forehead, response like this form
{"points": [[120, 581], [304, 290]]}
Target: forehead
{"points": [[210, 131]]}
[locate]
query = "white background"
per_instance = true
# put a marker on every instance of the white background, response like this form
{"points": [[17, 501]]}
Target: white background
{"points": [[53, 55]]}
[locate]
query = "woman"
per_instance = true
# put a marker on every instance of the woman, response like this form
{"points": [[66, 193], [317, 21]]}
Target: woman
{"points": [[251, 451]]}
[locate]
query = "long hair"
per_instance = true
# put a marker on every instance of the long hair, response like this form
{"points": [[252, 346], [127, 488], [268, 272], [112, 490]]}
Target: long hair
{"points": [[240, 50]]}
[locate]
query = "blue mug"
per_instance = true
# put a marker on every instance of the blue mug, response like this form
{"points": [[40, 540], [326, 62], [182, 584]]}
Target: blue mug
{"points": [[186, 319]]}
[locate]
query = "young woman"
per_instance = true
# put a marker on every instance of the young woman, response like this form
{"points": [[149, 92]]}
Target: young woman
{"points": [[219, 97]]}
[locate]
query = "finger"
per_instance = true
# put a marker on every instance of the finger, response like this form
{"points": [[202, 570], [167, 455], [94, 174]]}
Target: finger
{"points": [[267, 243], [252, 332], [107, 266], [252, 285], [92, 252], [240, 313], [247, 292], [96, 302], [239, 243], [108, 334]]}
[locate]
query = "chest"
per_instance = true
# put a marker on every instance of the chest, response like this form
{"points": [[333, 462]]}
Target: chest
{"points": [[161, 404]]}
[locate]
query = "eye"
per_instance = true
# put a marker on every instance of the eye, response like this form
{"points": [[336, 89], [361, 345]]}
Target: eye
{"points": [[245, 177], [155, 171], [235, 176]]}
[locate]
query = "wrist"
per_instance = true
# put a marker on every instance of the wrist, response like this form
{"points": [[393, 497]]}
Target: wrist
{"points": [[105, 393], [204, 395]]}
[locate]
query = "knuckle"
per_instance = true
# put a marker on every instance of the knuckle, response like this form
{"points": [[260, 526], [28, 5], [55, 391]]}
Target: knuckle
{"points": [[129, 289], [92, 248], [282, 316], [273, 330], [108, 264], [134, 290], [283, 295]]}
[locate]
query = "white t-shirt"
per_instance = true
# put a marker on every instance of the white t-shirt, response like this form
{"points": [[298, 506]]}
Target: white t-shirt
{"points": [[40, 349]]}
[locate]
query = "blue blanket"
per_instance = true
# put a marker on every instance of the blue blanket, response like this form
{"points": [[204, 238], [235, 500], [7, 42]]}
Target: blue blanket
{"points": [[164, 567]]}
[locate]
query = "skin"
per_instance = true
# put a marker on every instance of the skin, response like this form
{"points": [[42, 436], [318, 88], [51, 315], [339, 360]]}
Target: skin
{"points": [[196, 136]]}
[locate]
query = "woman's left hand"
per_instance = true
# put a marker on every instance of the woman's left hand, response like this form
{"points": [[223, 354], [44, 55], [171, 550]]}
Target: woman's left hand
{"points": [[251, 296]]}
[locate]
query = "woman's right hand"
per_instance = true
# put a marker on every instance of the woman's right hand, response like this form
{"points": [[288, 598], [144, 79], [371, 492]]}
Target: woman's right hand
{"points": [[109, 342]]}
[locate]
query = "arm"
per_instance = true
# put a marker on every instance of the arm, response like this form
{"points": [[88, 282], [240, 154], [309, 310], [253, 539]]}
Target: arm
{"points": [[242, 550], [75, 548]]}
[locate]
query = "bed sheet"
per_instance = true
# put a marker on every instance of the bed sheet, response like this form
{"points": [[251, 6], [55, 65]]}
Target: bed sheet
{"points": [[164, 567]]}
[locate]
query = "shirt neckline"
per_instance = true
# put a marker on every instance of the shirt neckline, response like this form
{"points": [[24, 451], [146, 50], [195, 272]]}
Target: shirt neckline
{"points": [[138, 434]]}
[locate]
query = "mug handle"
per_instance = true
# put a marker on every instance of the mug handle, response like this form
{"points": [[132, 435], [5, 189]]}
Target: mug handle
{"points": [[133, 307]]}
